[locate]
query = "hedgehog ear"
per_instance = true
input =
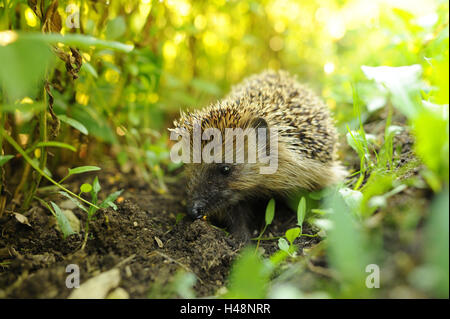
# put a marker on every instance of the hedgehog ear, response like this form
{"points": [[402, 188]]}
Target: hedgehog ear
{"points": [[259, 122]]}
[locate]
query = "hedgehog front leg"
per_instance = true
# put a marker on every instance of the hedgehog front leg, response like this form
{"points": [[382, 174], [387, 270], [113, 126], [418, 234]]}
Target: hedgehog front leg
{"points": [[239, 223]]}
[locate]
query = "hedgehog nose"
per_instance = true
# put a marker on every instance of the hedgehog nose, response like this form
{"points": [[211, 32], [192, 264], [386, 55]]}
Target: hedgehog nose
{"points": [[197, 210]]}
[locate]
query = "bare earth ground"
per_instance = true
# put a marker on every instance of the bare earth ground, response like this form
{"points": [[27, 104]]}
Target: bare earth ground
{"points": [[142, 239]]}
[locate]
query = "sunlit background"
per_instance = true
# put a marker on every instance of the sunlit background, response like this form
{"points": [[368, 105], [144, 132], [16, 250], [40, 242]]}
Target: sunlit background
{"points": [[113, 105], [188, 53]]}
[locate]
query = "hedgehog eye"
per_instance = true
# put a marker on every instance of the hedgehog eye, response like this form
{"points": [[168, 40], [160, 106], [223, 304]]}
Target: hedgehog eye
{"points": [[225, 170]]}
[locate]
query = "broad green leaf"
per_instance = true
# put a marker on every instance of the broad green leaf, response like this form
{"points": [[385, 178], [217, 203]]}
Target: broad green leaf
{"points": [[292, 234], [270, 211], [248, 277], [96, 185], [56, 144], [403, 82], [109, 201], [83, 169], [4, 159], [301, 211], [76, 40], [23, 64], [74, 123], [34, 107], [63, 222]]}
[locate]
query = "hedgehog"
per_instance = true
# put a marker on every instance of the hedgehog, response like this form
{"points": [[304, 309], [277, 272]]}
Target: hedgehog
{"points": [[227, 192]]}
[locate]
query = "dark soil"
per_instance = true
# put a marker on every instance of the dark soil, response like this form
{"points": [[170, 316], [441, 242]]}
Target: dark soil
{"points": [[142, 238], [150, 246]]}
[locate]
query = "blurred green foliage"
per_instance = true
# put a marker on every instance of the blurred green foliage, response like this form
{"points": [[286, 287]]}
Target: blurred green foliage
{"points": [[106, 78]]}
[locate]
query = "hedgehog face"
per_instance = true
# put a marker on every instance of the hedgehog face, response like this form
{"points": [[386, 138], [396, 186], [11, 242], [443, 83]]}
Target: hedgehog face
{"points": [[210, 190], [214, 187]]}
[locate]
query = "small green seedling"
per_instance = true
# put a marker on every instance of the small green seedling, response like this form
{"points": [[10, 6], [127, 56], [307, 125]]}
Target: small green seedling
{"points": [[288, 245], [179, 217], [79, 170], [301, 213], [293, 233], [93, 189], [63, 222], [270, 213]]}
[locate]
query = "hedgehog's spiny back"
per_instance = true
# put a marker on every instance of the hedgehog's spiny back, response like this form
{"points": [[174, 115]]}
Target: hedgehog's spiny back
{"points": [[306, 125], [303, 121]]}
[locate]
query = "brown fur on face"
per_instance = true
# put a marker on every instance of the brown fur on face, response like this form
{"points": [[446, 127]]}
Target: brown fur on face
{"points": [[307, 143]]}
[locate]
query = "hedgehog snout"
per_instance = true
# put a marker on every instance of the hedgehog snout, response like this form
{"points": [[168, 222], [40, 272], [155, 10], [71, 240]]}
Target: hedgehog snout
{"points": [[196, 209]]}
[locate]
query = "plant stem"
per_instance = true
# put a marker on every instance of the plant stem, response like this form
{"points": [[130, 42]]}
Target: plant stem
{"points": [[37, 168], [43, 155], [86, 234], [277, 237], [2, 172], [259, 237]]}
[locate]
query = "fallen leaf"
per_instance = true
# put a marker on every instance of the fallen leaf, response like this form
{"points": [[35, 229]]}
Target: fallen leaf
{"points": [[118, 293], [98, 287], [22, 219], [159, 242]]}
